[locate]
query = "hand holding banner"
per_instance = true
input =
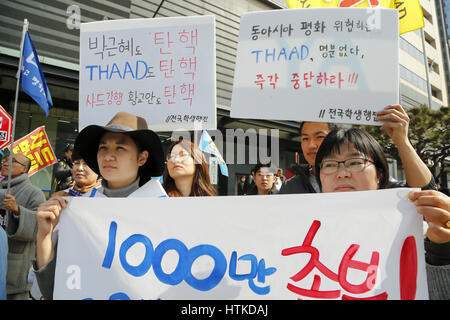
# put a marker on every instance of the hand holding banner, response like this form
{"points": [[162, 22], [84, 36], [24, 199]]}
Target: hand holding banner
{"points": [[355, 245]]}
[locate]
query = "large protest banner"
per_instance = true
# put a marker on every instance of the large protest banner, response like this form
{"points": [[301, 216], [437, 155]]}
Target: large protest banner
{"points": [[37, 148], [326, 64], [356, 245], [161, 69]]}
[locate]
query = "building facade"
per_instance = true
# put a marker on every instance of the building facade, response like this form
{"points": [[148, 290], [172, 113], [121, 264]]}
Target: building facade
{"points": [[415, 48], [54, 28]]}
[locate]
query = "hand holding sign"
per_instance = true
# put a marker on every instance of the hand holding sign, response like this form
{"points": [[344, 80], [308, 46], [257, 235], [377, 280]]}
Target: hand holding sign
{"points": [[435, 207], [169, 254], [47, 218], [396, 123]]}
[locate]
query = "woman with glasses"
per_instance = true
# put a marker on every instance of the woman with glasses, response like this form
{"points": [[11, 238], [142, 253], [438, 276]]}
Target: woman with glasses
{"points": [[187, 173], [352, 160], [396, 125]]}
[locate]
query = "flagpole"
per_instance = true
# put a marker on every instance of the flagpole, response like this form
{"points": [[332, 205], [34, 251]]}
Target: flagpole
{"points": [[425, 58], [19, 73]]}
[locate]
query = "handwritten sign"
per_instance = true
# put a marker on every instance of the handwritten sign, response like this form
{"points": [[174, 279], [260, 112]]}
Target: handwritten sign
{"points": [[356, 245], [37, 148], [161, 69], [328, 64]]}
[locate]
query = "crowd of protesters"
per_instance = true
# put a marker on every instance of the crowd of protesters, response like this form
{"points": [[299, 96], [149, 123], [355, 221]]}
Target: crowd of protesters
{"points": [[120, 159]]}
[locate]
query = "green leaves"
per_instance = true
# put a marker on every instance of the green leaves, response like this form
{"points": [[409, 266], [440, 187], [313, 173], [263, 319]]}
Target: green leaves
{"points": [[429, 133]]}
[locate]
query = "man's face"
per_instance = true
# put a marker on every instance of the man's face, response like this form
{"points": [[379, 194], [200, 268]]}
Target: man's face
{"points": [[312, 136], [264, 180], [19, 166]]}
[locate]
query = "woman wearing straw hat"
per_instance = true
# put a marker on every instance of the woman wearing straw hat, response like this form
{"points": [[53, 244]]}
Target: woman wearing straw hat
{"points": [[126, 154]]}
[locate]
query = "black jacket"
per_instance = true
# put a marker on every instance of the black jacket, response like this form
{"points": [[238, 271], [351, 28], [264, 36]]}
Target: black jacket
{"points": [[299, 183], [62, 174]]}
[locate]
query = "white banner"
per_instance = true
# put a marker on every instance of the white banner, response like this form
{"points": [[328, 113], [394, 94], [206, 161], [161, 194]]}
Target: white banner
{"points": [[162, 69], [325, 64], [356, 245]]}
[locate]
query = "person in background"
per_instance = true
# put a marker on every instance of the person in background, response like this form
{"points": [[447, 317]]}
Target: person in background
{"points": [[187, 173], [126, 154], [249, 183], [280, 178], [364, 167], [62, 171], [241, 186], [86, 181], [3, 263], [20, 204], [396, 123], [311, 136], [264, 178]]}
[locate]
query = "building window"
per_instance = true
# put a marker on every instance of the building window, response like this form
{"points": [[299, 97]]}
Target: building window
{"points": [[427, 15], [435, 92], [411, 50], [413, 78], [430, 40]]}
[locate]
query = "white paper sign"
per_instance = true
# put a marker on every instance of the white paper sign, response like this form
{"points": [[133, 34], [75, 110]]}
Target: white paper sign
{"points": [[161, 69], [324, 64], [324, 246]]}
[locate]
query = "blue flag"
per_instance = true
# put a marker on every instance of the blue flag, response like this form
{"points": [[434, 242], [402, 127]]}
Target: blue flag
{"points": [[32, 79], [207, 145]]}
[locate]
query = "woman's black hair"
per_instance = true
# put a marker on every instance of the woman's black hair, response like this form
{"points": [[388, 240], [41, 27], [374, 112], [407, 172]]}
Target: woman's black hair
{"points": [[363, 142]]}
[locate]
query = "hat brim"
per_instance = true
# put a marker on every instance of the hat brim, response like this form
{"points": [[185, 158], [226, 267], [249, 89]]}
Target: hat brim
{"points": [[88, 140]]}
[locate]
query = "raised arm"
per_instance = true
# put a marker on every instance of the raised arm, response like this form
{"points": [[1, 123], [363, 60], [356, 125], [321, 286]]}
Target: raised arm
{"points": [[396, 125]]}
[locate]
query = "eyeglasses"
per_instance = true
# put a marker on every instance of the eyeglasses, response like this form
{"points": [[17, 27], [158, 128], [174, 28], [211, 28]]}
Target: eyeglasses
{"points": [[5, 160], [182, 156], [352, 165]]}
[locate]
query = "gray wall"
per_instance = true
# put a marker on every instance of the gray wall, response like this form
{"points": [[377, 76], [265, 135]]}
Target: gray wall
{"points": [[48, 23]]}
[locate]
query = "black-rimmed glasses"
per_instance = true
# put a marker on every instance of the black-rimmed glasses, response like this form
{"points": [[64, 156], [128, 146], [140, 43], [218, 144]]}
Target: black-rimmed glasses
{"points": [[352, 165]]}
